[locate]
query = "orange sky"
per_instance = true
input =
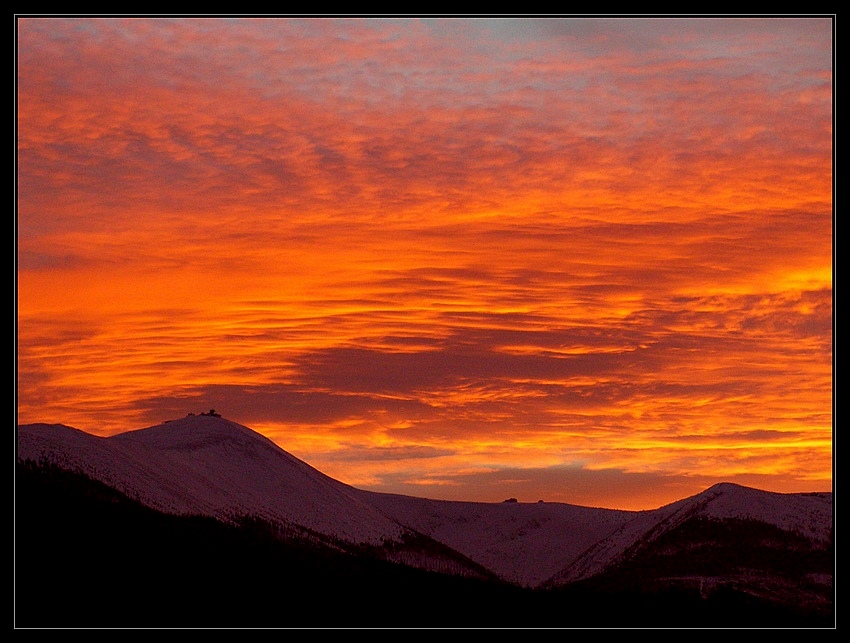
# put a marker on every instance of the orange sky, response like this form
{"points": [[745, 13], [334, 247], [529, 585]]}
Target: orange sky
{"points": [[579, 260]]}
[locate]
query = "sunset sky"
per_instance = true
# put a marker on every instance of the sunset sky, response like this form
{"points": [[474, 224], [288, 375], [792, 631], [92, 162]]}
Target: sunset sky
{"points": [[586, 260]]}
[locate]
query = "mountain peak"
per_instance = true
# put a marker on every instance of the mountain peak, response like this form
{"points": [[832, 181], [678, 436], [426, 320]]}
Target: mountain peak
{"points": [[192, 432], [207, 464], [726, 487], [788, 511]]}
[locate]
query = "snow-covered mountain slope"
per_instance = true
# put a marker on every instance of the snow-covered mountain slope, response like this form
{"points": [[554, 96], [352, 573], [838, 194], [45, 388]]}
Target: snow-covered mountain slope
{"points": [[524, 543], [209, 465], [205, 464], [807, 514]]}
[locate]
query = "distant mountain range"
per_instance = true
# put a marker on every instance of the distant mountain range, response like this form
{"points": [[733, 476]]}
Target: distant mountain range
{"points": [[731, 555]]}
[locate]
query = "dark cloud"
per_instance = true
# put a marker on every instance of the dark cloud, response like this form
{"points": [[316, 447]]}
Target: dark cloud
{"points": [[361, 370], [283, 404], [573, 484], [356, 452]]}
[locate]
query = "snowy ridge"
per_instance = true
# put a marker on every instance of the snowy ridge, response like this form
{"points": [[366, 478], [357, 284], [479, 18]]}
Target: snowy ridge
{"points": [[809, 515], [209, 465], [524, 543]]}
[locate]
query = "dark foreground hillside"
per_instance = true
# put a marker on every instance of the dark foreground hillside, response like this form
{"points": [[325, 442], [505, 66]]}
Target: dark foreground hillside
{"points": [[85, 556], [88, 557], [747, 570]]}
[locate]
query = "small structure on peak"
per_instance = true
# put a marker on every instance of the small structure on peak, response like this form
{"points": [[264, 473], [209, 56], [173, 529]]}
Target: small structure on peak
{"points": [[212, 413]]}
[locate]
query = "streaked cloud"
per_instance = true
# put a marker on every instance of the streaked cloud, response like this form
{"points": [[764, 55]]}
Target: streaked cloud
{"points": [[439, 254]]}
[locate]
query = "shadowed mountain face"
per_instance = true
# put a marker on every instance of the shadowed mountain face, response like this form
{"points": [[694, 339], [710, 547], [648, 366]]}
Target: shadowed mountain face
{"points": [[86, 556], [730, 544]]}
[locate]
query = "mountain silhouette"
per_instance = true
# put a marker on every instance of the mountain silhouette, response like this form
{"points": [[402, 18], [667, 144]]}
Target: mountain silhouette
{"points": [[770, 547]]}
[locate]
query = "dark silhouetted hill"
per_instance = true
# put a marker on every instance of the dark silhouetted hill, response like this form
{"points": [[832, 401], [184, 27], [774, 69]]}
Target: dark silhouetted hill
{"points": [[202, 522]]}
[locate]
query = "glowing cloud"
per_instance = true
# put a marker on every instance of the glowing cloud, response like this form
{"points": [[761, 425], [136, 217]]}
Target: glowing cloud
{"points": [[586, 260]]}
